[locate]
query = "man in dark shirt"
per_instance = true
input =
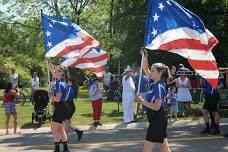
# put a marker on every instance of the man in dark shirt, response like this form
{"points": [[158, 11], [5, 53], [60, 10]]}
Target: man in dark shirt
{"points": [[211, 105]]}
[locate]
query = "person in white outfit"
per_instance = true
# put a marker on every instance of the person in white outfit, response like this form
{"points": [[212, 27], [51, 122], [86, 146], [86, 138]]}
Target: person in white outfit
{"points": [[13, 77], [128, 95], [184, 96]]}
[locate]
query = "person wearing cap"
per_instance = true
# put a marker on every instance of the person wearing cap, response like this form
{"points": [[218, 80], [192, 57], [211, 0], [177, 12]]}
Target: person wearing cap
{"points": [[128, 95], [96, 96]]}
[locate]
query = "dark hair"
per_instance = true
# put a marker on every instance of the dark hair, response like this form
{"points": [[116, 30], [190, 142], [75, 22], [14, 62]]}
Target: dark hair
{"points": [[160, 67], [9, 86]]}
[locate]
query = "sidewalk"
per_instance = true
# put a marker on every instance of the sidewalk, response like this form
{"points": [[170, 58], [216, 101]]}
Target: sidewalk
{"points": [[136, 125]]}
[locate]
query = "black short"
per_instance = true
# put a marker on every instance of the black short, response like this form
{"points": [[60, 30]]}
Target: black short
{"points": [[70, 109], [211, 102], [59, 114], [158, 125]]}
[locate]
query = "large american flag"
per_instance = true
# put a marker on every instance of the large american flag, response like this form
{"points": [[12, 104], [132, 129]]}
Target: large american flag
{"points": [[172, 28], [93, 61], [64, 38]]}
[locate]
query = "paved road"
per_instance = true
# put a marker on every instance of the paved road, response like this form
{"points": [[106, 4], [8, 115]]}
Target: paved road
{"points": [[181, 139]]}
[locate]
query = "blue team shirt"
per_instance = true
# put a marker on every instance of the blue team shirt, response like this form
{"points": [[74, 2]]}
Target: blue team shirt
{"points": [[157, 91], [61, 86], [70, 93], [207, 89]]}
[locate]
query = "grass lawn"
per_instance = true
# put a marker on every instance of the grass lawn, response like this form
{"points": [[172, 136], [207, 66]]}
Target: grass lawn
{"points": [[83, 115]]}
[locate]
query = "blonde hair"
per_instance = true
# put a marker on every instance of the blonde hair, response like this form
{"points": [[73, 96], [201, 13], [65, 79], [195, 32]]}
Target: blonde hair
{"points": [[160, 67]]}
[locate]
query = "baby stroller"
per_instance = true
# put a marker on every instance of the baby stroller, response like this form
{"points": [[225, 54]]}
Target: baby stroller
{"points": [[41, 110]]}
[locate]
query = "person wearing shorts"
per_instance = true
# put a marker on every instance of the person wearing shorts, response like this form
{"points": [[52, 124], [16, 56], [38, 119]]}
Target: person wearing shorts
{"points": [[156, 133], [71, 95], [211, 105], [60, 108], [10, 106]]}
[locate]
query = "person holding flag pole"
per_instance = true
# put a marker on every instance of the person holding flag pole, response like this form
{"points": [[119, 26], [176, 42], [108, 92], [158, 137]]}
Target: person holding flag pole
{"points": [[172, 28]]}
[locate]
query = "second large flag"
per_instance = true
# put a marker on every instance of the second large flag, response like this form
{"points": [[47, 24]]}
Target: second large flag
{"points": [[171, 27]]}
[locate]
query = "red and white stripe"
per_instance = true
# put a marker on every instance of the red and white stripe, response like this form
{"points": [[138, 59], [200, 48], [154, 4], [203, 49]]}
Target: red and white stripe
{"points": [[194, 46], [92, 61], [74, 47]]}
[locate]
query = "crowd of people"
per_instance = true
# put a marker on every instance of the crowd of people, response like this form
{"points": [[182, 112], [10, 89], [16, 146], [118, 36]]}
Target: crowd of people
{"points": [[160, 86]]}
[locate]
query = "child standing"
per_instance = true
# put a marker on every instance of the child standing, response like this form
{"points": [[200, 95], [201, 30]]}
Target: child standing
{"points": [[10, 106], [172, 101], [96, 97]]}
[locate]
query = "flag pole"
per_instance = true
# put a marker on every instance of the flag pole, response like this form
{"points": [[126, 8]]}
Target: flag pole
{"points": [[142, 59], [139, 83]]}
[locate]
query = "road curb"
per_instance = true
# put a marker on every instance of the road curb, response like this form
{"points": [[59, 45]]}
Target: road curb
{"points": [[136, 125]]}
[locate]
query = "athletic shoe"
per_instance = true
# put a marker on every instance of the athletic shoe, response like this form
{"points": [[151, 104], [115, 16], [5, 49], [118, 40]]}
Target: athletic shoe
{"points": [[205, 131], [99, 124], [79, 133], [95, 124]]}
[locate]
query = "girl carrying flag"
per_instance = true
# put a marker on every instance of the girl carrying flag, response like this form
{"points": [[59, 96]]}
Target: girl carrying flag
{"points": [[60, 107], [156, 132]]}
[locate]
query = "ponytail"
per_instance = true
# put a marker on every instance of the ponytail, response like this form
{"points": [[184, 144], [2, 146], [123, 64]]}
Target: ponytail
{"points": [[165, 73]]}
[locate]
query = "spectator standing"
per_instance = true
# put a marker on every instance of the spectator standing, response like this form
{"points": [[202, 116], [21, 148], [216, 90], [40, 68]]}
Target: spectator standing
{"points": [[35, 84], [172, 101], [211, 105], [184, 96], [10, 106], [172, 79], [128, 95], [107, 79], [96, 97], [13, 77]]}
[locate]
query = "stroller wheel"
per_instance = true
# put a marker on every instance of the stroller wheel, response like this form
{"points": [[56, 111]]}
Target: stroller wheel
{"points": [[32, 117]]}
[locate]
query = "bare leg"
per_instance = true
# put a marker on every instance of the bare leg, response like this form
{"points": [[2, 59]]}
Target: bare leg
{"points": [[7, 124], [216, 117], [67, 126], [63, 132], [148, 146], [55, 131], [15, 123], [164, 147], [205, 116]]}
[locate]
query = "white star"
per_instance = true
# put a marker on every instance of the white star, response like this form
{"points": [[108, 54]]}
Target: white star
{"points": [[64, 23], [168, 2], [50, 25], [49, 44], [156, 17], [48, 33], [53, 21], [161, 6], [155, 32]]}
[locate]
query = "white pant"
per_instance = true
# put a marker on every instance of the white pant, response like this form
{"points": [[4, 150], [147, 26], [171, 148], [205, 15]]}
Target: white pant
{"points": [[128, 106]]}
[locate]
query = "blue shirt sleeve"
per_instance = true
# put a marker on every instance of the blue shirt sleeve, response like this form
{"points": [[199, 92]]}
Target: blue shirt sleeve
{"points": [[159, 91]]}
